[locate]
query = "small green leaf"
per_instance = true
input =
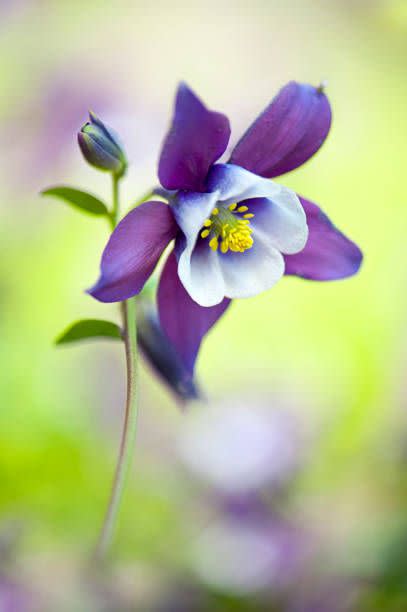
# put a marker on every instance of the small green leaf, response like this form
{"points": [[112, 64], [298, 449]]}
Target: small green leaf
{"points": [[79, 199], [89, 328]]}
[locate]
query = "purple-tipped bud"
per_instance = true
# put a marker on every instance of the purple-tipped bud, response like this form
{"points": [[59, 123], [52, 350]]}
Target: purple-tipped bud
{"points": [[101, 146]]}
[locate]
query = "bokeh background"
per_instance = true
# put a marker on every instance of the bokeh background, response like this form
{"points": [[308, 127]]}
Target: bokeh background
{"points": [[288, 490]]}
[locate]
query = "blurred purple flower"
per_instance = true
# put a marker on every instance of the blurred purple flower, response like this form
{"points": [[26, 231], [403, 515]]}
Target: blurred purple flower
{"points": [[245, 452], [236, 232], [13, 597], [70, 96], [250, 553], [332, 594], [239, 448], [37, 145], [8, 8]]}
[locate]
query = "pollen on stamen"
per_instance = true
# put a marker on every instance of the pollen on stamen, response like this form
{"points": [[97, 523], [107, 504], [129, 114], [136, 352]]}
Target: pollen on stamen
{"points": [[214, 243], [227, 230]]}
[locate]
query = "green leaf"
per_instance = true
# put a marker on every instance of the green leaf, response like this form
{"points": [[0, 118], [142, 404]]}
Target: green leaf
{"points": [[89, 328], [78, 199]]}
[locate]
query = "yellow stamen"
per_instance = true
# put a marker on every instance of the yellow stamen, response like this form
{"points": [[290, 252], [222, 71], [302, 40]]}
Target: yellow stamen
{"points": [[214, 244], [228, 230]]}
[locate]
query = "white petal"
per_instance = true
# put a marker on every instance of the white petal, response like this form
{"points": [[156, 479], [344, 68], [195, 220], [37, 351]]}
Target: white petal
{"points": [[280, 220], [201, 275], [249, 273], [190, 211], [279, 226], [235, 184], [284, 223]]}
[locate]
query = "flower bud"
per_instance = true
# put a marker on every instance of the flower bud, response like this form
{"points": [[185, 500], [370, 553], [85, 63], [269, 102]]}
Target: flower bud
{"points": [[101, 146]]}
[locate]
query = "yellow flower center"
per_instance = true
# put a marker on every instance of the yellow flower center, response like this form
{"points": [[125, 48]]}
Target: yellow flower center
{"points": [[229, 228]]}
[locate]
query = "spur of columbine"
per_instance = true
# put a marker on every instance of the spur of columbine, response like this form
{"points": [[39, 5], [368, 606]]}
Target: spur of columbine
{"points": [[236, 232]]}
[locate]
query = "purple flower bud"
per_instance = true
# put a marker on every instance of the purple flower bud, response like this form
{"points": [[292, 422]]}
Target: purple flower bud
{"points": [[101, 146]]}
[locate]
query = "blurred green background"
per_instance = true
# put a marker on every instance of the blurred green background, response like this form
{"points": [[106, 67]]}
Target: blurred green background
{"points": [[335, 352]]}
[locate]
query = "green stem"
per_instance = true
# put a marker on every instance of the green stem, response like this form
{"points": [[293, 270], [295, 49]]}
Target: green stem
{"points": [[115, 200], [129, 430], [128, 438]]}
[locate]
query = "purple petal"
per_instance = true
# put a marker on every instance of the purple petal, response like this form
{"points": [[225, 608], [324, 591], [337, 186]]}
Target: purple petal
{"points": [[328, 254], [161, 354], [197, 138], [133, 251], [183, 320], [288, 132]]}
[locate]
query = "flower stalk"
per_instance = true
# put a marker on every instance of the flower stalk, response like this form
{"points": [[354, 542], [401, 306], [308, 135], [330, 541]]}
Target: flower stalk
{"points": [[127, 443], [115, 212]]}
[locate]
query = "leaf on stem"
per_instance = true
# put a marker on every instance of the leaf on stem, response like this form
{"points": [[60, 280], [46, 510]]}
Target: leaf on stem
{"points": [[87, 329], [78, 199]]}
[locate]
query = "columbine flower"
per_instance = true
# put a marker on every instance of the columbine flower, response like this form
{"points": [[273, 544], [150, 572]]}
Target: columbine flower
{"points": [[236, 232], [101, 147]]}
